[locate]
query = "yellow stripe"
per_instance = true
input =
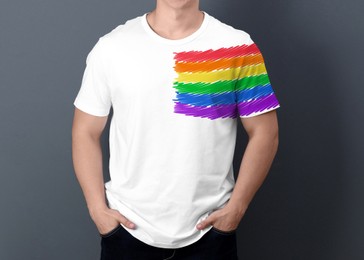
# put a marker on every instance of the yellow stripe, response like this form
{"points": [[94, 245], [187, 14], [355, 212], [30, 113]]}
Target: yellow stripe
{"points": [[253, 70], [222, 75]]}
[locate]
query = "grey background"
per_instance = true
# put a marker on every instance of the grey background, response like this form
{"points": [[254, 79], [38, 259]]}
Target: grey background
{"points": [[311, 204]]}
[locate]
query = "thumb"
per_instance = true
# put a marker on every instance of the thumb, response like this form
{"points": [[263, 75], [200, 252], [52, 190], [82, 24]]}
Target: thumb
{"points": [[122, 219], [207, 222]]}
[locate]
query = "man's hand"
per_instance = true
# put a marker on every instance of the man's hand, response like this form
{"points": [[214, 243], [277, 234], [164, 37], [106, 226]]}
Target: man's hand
{"points": [[107, 219], [225, 219]]}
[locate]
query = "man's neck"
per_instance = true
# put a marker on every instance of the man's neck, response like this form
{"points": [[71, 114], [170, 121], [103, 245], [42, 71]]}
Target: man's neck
{"points": [[175, 23]]}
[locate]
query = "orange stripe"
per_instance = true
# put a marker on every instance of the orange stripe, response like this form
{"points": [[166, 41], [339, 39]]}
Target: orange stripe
{"points": [[218, 64]]}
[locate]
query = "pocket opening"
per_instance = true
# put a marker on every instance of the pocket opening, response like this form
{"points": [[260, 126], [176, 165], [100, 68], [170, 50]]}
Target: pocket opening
{"points": [[111, 232], [221, 232]]}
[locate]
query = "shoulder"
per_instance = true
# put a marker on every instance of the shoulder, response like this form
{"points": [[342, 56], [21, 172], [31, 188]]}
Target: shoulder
{"points": [[229, 33], [122, 32], [129, 27]]}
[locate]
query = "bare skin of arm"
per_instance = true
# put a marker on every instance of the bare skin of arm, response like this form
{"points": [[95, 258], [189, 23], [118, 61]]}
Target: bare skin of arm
{"points": [[87, 160], [262, 131]]}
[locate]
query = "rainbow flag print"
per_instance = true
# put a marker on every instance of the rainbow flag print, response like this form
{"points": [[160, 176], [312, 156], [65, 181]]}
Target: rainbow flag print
{"points": [[222, 83]]}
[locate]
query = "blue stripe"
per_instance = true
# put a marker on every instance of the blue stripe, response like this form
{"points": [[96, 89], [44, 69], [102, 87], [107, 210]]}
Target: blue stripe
{"points": [[226, 98], [254, 93], [206, 99]]}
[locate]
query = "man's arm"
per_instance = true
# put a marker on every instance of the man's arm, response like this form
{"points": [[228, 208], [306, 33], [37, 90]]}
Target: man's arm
{"points": [[87, 160], [262, 131]]}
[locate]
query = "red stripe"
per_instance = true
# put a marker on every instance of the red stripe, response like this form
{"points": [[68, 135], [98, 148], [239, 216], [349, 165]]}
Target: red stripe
{"points": [[223, 53]]}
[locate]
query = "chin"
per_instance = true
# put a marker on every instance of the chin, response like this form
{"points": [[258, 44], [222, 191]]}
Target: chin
{"points": [[180, 4]]}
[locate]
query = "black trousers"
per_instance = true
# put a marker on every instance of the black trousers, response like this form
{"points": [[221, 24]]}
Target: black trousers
{"points": [[119, 244]]}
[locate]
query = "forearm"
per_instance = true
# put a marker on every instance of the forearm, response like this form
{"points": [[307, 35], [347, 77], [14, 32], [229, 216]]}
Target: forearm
{"points": [[87, 160], [254, 168]]}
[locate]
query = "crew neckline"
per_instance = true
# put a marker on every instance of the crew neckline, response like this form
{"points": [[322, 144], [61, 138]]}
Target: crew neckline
{"points": [[184, 40]]}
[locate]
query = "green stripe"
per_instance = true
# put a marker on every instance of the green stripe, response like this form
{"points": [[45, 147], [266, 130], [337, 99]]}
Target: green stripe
{"points": [[221, 86], [205, 88], [251, 82]]}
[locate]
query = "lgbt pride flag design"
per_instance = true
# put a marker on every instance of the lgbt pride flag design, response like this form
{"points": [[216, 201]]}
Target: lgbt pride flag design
{"points": [[222, 83]]}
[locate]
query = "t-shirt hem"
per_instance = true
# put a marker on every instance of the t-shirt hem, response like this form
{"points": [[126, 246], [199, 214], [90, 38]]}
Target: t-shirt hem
{"points": [[143, 236], [168, 246]]}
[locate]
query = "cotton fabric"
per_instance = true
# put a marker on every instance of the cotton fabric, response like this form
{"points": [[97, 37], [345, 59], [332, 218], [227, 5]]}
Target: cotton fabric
{"points": [[173, 130]]}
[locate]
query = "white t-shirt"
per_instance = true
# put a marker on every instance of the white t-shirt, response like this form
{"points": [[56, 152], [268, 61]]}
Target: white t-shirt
{"points": [[173, 131]]}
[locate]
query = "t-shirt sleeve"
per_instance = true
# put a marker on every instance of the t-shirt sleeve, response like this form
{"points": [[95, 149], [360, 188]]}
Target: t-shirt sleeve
{"points": [[94, 95], [254, 93]]}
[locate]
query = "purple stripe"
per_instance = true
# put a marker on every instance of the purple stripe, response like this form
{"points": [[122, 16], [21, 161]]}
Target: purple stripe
{"points": [[258, 105], [211, 112], [223, 111]]}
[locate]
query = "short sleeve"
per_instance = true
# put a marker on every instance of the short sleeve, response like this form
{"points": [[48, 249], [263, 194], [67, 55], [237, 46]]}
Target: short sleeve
{"points": [[94, 95], [254, 93]]}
